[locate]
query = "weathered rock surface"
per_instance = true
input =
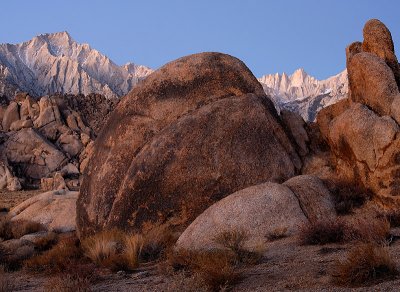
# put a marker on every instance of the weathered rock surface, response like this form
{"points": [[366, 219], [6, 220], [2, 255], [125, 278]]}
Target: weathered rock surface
{"points": [[314, 197], [257, 211], [193, 132], [56, 210], [363, 132], [10, 115], [7, 179], [378, 40], [35, 155]]}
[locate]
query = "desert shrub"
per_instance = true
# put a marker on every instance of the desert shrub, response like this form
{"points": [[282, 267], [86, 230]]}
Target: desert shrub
{"points": [[374, 230], [157, 240], [278, 233], [347, 196], [323, 232], [5, 227], [234, 240], [216, 268], [46, 242], [114, 249], [65, 253], [364, 264], [20, 228]]}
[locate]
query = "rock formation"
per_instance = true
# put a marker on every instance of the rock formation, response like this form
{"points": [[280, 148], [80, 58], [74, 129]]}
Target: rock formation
{"points": [[45, 142], [193, 132], [363, 131]]}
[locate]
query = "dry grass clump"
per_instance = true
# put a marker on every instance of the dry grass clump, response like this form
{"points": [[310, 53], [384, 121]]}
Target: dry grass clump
{"points": [[347, 196], [278, 233], [340, 231], [393, 217], [216, 268], [365, 264], [65, 253], [234, 240], [323, 232], [20, 228], [374, 230], [16, 229], [157, 241], [114, 249], [46, 242]]}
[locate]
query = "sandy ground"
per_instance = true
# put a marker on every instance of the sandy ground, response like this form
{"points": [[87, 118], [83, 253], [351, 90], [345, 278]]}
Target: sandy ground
{"points": [[286, 266]]}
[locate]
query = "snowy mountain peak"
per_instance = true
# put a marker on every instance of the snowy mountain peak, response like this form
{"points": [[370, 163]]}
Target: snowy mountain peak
{"points": [[303, 93], [55, 62]]}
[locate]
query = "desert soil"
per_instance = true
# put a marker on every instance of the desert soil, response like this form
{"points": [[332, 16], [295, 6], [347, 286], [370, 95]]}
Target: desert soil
{"points": [[286, 266], [11, 199]]}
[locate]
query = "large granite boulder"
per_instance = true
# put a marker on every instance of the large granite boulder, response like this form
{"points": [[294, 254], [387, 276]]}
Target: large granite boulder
{"points": [[190, 134], [260, 212]]}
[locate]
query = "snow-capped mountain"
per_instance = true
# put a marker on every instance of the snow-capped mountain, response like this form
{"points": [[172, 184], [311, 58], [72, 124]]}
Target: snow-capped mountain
{"points": [[303, 93], [51, 63]]}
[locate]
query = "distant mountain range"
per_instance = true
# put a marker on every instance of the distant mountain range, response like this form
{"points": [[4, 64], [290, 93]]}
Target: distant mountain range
{"points": [[55, 63], [303, 93], [51, 63]]}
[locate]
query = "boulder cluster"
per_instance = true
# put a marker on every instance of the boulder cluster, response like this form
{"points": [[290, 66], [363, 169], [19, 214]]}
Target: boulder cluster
{"points": [[45, 143], [363, 130]]}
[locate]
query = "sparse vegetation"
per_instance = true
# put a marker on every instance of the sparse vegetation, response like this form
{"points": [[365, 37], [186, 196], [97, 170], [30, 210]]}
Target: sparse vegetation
{"points": [[6, 285], [365, 264], [216, 268], [114, 249], [278, 233], [65, 253], [16, 229], [340, 231], [234, 240], [347, 196], [323, 232], [157, 240]]}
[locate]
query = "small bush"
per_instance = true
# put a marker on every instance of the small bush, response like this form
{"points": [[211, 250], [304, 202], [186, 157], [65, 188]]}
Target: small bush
{"points": [[278, 233], [216, 269], [347, 196], [46, 242], [374, 230], [20, 228], [5, 227], [323, 232], [65, 253], [234, 240], [364, 264], [114, 249], [157, 240]]}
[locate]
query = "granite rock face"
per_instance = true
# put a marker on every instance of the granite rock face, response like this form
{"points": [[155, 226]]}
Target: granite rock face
{"points": [[193, 132], [363, 131]]}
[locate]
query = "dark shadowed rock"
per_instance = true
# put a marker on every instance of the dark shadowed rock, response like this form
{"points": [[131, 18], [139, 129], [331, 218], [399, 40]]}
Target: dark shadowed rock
{"points": [[193, 132]]}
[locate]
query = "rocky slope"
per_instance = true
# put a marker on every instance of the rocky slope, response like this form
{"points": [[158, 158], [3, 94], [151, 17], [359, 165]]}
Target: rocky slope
{"points": [[303, 93], [55, 63]]}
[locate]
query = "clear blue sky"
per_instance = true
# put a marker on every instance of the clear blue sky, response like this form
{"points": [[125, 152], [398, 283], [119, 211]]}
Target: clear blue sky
{"points": [[269, 36]]}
